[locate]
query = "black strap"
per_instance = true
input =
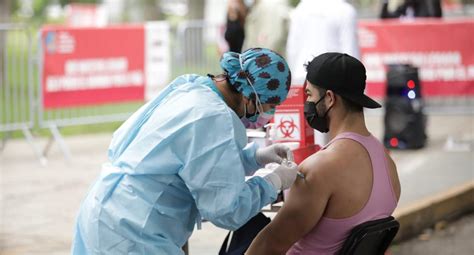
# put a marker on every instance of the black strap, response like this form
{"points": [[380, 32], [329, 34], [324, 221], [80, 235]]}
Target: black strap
{"points": [[223, 249], [243, 237]]}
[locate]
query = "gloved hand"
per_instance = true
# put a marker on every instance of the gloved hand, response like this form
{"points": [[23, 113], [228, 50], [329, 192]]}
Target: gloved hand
{"points": [[274, 153], [283, 176]]}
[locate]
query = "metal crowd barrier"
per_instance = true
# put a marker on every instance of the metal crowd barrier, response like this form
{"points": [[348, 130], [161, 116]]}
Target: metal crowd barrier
{"points": [[57, 118], [17, 94], [197, 48], [53, 120]]}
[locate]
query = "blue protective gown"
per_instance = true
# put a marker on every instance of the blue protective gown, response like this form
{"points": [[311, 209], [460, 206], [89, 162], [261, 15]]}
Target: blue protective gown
{"points": [[180, 157]]}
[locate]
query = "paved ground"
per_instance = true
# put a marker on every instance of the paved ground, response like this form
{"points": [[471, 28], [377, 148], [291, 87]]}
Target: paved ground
{"points": [[38, 204], [451, 239]]}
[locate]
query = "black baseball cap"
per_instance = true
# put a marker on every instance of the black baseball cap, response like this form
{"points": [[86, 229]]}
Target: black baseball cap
{"points": [[343, 74]]}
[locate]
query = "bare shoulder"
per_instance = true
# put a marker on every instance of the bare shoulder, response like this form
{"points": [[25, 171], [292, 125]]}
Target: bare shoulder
{"points": [[345, 147], [317, 168], [349, 153], [328, 165], [339, 153], [318, 162]]}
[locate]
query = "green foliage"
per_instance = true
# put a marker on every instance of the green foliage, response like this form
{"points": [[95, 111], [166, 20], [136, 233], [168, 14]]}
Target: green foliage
{"points": [[65, 2], [39, 8], [294, 3]]}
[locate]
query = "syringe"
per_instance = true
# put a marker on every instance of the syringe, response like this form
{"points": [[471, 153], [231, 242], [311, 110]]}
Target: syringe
{"points": [[289, 163]]}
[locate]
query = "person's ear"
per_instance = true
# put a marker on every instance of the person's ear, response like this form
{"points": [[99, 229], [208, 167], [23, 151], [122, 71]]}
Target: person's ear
{"points": [[330, 98], [245, 100], [240, 106]]}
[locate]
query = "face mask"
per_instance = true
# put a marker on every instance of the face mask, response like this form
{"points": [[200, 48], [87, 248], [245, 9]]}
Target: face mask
{"points": [[257, 120], [314, 120]]}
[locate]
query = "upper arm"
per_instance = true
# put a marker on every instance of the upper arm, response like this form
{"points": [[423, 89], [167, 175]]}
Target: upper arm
{"points": [[301, 211], [214, 174], [303, 207]]}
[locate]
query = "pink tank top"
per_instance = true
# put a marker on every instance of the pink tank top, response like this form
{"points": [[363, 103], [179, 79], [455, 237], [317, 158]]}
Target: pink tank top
{"points": [[328, 236]]}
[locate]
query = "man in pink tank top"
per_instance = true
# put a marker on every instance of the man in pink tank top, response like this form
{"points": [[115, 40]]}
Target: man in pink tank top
{"points": [[350, 181]]}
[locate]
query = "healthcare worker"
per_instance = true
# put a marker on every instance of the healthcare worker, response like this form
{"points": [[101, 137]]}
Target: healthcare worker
{"points": [[183, 157]]}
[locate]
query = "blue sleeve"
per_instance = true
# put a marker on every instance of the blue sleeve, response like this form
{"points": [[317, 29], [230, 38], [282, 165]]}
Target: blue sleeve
{"points": [[214, 174], [249, 160]]}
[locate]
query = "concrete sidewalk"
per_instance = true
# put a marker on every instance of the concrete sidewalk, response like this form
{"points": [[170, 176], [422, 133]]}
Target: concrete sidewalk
{"points": [[452, 238], [38, 204]]}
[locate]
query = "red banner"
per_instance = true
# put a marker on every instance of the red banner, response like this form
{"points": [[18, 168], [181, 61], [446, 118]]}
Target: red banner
{"points": [[91, 66], [441, 49]]}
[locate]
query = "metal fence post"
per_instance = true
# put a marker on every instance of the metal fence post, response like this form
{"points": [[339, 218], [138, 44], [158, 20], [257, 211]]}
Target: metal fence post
{"points": [[16, 90]]}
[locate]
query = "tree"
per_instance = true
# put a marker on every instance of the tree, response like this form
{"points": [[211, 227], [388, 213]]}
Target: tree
{"points": [[65, 2], [294, 2]]}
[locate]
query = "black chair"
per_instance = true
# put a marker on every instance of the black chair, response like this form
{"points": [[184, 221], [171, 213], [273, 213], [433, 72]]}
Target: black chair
{"points": [[371, 238]]}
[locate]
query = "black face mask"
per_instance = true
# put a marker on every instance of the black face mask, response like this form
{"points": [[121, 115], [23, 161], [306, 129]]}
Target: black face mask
{"points": [[314, 120]]}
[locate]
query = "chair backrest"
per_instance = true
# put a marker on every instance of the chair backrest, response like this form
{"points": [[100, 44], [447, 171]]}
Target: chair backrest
{"points": [[371, 237]]}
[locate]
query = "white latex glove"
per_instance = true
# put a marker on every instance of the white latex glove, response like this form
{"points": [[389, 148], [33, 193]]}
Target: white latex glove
{"points": [[283, 176], [274, 153]]}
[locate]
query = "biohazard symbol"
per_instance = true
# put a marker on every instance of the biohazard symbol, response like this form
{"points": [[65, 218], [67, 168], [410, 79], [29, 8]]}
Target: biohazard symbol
{"points": [[287, 127]]}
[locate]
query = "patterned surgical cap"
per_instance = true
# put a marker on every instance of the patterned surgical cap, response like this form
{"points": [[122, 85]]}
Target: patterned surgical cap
{"points": [[265, 69]]}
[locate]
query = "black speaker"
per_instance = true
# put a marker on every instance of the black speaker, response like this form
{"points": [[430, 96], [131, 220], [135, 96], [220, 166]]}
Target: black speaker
{"points": [[403, 82], [404, 120]]}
